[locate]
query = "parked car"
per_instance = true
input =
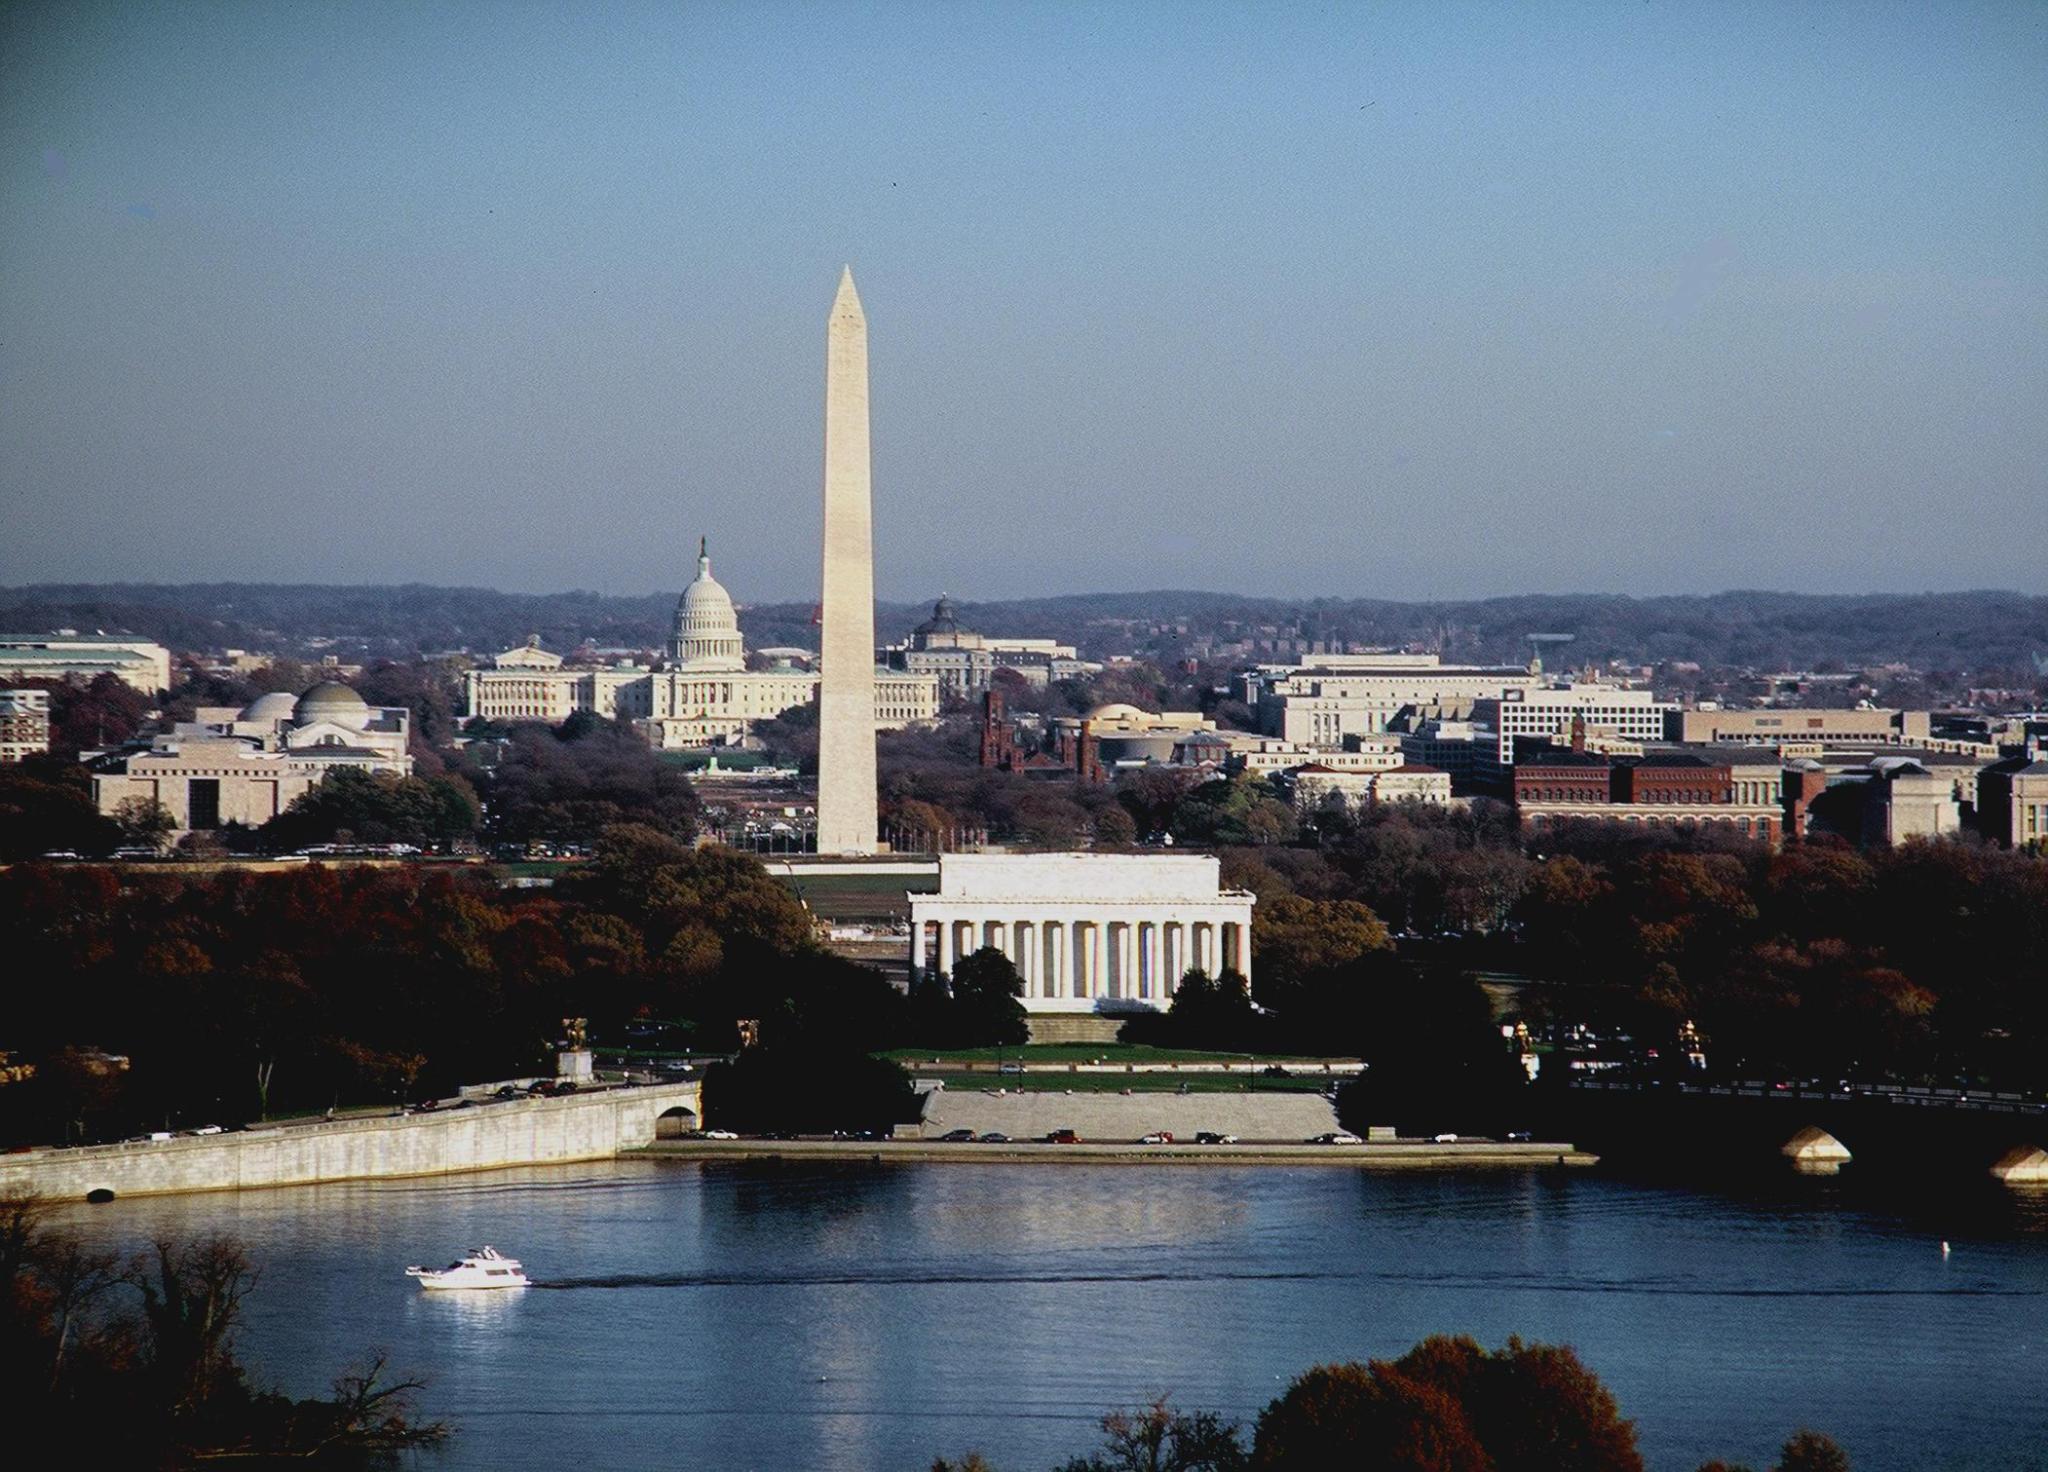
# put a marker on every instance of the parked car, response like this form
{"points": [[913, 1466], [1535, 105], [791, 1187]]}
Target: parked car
{"points": [[1520, 1135], [1210, 1137], [1443, 1139], [995, 1137], [1157, 1137], [1334, 1137], [717, 1135], [957, 1137], [505, 1091], [1063, 1137]]}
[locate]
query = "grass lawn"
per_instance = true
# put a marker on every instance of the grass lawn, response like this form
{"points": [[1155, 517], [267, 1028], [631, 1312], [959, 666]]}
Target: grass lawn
{"points": [[1080, 1053]]}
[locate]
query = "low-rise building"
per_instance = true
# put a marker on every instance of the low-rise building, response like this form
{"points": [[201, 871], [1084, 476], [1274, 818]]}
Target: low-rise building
{"points": [[1322, 701], [1862, 727], [1549, 713], [247, 765], [1315, 786], [24, 724], [1659, 788], [69, 655], [1904, 800], [2012, 800], [964, 662]]}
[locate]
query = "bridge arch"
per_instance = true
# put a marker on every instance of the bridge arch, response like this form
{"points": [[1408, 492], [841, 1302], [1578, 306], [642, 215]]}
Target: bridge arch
{"points": [[1814, 1151], [2023, 1165], [674, 1123]]}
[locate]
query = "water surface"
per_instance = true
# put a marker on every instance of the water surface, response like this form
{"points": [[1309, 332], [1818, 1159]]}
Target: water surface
{"points": [[857, 1317]]}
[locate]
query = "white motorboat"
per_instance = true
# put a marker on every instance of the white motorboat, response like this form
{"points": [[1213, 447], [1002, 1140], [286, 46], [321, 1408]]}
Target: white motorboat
{"points": [[482, 1267]]}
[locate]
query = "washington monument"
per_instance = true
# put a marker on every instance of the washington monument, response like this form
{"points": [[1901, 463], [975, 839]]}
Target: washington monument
{"points": [[846, 688]]}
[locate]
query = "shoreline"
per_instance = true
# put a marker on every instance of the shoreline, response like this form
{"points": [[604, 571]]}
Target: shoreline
{"points": [[1377, 1154]]}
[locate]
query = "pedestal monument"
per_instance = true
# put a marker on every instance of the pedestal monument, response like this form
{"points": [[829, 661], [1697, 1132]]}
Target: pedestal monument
{"points": [[846, 690]]}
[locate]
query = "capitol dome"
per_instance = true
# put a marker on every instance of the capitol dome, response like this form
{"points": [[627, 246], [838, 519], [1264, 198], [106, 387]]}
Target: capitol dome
{"points": [[707, 628]]}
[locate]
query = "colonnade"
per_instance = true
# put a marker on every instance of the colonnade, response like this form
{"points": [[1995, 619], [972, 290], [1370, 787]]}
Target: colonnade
{"points": [[1080, 960]]}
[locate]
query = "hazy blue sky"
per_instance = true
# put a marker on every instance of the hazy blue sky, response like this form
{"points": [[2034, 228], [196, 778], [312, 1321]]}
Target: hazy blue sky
{"points": [[1377, 299]]}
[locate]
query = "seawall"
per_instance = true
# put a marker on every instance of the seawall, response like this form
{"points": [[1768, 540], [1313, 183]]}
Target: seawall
{"points": [[535, 1131]]}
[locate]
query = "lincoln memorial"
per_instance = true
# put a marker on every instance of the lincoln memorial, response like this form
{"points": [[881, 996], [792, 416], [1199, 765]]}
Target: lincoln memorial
{"points": [[1088, 932]]}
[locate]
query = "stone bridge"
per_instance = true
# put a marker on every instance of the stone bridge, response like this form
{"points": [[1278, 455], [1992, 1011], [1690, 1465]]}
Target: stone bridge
{"points": [[488, 1134], [1875, 1127]]}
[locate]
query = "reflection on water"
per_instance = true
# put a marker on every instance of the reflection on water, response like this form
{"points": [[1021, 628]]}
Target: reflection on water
{"points": [[873, 1317]]}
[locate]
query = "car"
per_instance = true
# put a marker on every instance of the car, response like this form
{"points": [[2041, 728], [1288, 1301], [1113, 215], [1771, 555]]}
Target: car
{"points": [[1443, 1139], [1520, 1135], [957, 1137], [1157, 1137], [1010, 1068], [566, 1086], [1210, 1137], [505, 1091], [718, 1135], [60, 853], [1063, 1137], [994, 1137], [208, 1129], [1334, 1137]]}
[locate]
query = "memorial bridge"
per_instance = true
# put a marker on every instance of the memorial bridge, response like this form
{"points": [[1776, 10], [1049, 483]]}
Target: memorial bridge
{"points": [[1888, 1128]]}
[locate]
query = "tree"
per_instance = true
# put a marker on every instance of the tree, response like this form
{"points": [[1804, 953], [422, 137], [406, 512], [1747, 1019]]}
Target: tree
{"points": [[987, 994], [1212, 1013], [145, 822], [1297, 938], [1157, 1438], [1809, 1451], [1354, 1415], [1449, 1405]]}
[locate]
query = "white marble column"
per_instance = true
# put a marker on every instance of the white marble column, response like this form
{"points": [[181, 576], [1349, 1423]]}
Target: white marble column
{"points": [[1056, 954], [917, 952], [1096, 948], [1242, 957], [946, 946]]}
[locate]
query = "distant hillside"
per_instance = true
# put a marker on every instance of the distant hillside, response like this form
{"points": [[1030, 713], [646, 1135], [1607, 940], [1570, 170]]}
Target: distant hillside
{"points": [[1992, 633]]}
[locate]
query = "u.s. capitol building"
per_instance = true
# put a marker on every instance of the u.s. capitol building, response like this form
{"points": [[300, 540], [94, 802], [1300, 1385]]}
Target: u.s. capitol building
{"points": [[703, 694]]}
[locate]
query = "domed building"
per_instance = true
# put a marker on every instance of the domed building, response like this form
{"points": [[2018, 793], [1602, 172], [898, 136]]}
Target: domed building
{"points": [[707, 627], [248, 764], [965, 662], [700, 695]]}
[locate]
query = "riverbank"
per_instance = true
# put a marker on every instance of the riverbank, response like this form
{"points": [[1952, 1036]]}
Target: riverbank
{"points": [[1379, 1154]]}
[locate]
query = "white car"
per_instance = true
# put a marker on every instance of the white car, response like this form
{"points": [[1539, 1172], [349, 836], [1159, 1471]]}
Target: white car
{"points": [[1443, 1139], [1335, 1137], [718, 1135], [1157, 1137]]}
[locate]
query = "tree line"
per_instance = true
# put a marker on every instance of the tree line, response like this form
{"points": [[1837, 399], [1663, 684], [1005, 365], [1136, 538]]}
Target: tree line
{"points": [[132, 1362], [1447, 1405]]}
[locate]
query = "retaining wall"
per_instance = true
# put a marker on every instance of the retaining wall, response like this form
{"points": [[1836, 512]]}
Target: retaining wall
{"points": [[539, 1131], [1125, 1117]]}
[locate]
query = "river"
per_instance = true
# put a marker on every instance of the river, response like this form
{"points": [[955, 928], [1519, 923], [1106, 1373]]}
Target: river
{"points": [[854, 1317]]}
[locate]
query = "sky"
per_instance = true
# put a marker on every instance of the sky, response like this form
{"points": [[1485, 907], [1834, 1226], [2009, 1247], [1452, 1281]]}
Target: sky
{"points": [[1433, 300]]}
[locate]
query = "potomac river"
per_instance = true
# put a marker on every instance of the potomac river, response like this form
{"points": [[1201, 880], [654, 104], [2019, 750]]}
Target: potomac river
{"points": [[852, 1316]]}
